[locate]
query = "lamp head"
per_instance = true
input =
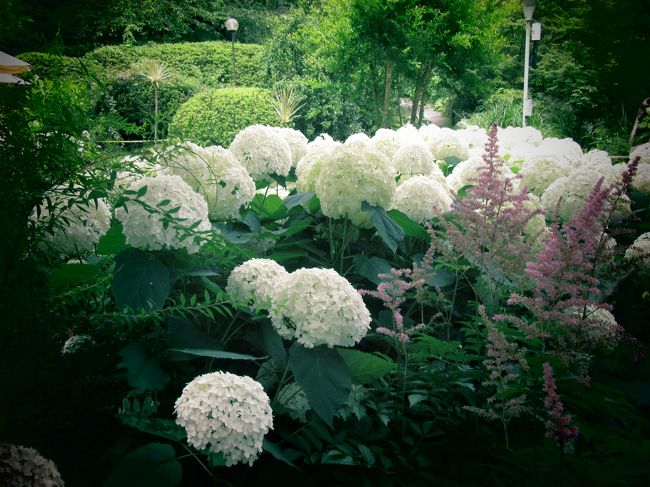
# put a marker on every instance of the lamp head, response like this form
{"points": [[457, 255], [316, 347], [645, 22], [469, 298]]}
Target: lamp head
{"points": [[232, 25], [529, 8]]}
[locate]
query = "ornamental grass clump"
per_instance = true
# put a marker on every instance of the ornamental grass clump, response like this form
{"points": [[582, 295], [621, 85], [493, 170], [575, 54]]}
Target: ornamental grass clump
{"points": [[252, 283], [227, 414], [25, 467], [318, 307], [349, 177], [165, 213], [262, 151], [215, 174]]}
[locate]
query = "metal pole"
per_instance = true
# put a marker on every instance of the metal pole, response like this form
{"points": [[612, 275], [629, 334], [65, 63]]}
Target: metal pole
{"points": [[526, 68], [234, 72]]}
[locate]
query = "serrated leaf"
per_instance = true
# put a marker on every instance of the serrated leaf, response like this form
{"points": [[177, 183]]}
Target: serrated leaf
{"points": [[153, 465], [365, 367], [276, 451], [269, 207], [367, 455], [416, 398], [113, 242], [165, 428], [389, 231], [140, 281], [216, 354], [371, 267], [301, 199], [143, 373], [322, 374]]}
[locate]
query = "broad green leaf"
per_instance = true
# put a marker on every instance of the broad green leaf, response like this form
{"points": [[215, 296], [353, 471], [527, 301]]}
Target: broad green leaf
{"points": [[184, 334], [269, 207], [301, 199], [165, 428], [143, 373], [216, 354], [338, 458], [389, 231], [140, 281], [365, 367], [371, 267], [70, 275], [264, 337], [411, 227], [426, 347], [416, 398], [276, 451], [442, 278], [113, 242], [153, 465], [322, 374]]}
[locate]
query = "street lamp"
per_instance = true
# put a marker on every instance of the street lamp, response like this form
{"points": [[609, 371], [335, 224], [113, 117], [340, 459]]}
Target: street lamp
{"points": [[529, 8], [232, 26]]}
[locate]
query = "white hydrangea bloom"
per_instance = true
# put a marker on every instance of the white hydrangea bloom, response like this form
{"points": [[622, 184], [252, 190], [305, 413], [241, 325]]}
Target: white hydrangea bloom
{"points": [[642, 151], [252, 282], [445, 143], [359, 139], [386, 141], [296, 140], [322, 139], [226, 413], [25, 467], [515, 155], [146, 230], [76, 343], [421, 198], [134, 168], [292, 397], [641, 181], [308, 168], [571, 191], [318, 307], [639, 249], [595, 158], [567, 149], [349, 177], [262, 152], [474, 136], [428, 131], [599, 324], [508, 137], [78, 228], [214, 173], [408, 134], [468, 171], [413, 159], [539, 171]]}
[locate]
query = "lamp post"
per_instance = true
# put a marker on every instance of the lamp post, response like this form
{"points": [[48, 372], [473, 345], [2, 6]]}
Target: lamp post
{"points": [[232, 26], [529, 8]]}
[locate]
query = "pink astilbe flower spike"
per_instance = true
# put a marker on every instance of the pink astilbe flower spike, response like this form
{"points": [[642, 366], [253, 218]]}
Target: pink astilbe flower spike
{"points": [[488, 225], [558, 426]]}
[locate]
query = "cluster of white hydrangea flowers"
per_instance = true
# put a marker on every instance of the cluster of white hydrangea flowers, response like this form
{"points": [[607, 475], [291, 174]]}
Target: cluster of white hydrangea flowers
{"points": [[474, 136], [408, 134], [639, 251], [599, 324], [359, 139], [386, 141], [413, 159], [641, 181], [643, 152], [252, 282], [262, 152], [293, 399], [421, 198], [134, 167], [595, 159], [318, 307], [349, 177], [77, 228], [296, 140], [571, 190], [567, 149], [216, 174], [77, 343], [540, 170], [445, 142], [468, 171], [226, 413], [308, 168], [428, 132], [146, 230], [25, 467], [509, 137]]}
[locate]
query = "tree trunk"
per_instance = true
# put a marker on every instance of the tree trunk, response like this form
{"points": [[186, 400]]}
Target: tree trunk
{"points": [[420, 93], [375, 93], [387, 85]]}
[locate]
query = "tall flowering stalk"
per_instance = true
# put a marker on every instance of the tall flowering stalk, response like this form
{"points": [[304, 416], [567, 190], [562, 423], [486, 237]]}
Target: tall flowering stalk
{"points": [[488, 225], [558, 425]]}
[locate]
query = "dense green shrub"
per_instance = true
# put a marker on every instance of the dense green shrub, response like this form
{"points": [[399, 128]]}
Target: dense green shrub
{"points": [[209, 62], [52, 66], [216, 116], [131, 97]]}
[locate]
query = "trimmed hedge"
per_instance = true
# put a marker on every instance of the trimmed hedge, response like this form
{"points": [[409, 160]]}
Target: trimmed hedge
{"points": [[51, 66], [215, 116], [208, 62]]}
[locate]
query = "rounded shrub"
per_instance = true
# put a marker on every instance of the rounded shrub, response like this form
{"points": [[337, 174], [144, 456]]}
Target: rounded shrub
{"points": [[215, 116]]}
